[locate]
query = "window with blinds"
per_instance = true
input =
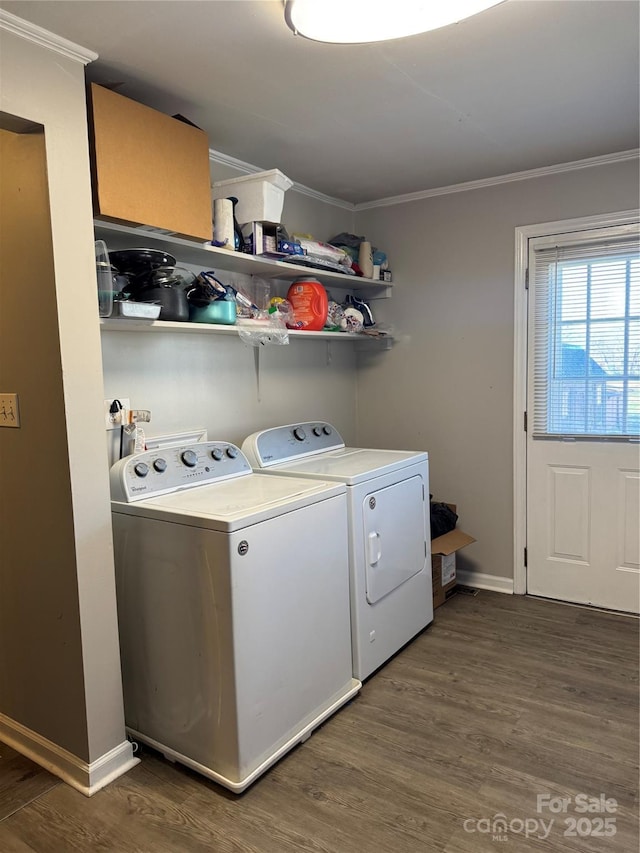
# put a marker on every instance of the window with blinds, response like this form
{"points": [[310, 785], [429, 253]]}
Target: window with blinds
{"points": [[586, 334]]}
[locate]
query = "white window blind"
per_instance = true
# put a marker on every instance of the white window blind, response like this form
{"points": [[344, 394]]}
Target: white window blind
{"points": [[586, 328]]}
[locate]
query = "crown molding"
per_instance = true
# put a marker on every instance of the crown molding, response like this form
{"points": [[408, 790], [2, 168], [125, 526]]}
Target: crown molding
{"points": [[603, 160], [327, 199], [249, 169], [228, 160], [43, 38]]}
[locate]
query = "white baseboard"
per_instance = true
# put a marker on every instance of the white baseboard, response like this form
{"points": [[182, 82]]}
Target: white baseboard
{"points": [[479, 580], [86, 778]]}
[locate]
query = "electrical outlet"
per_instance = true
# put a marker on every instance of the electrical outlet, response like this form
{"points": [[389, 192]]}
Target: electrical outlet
{"points": [[114, 420]]}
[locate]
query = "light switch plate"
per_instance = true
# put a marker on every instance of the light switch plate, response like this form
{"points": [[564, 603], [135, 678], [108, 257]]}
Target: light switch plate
{"points": [[9, 413]]}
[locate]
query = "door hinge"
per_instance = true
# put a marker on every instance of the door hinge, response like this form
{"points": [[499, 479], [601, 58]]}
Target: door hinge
{"points": [[525, 558], [525, 421], [526, 279]]}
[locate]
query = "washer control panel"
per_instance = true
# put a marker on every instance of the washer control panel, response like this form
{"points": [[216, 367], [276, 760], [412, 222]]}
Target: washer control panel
{"points": [[157, 472], [288, 443]]}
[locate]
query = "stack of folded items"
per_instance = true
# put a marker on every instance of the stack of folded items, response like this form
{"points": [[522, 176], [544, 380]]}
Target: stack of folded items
{"points": [[323, 255]]}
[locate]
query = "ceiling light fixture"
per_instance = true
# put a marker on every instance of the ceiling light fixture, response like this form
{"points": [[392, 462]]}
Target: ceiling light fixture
{"points": [[360, 21]]}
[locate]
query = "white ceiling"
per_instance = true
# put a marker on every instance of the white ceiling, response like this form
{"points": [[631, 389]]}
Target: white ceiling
{"points": [[527, 84]]}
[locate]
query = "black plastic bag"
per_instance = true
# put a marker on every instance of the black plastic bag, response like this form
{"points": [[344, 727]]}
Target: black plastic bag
{"points": [[443, 519]]}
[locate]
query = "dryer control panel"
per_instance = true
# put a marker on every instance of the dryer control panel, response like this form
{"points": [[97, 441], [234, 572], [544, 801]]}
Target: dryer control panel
{"points": [[170, 469], [288, 443]]}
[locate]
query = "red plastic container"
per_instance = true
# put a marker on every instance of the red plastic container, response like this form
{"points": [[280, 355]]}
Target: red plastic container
{"points": [[310, 304]]}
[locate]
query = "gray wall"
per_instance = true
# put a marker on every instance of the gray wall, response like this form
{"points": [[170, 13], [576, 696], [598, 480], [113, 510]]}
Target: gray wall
{"points": [[447, 386]]}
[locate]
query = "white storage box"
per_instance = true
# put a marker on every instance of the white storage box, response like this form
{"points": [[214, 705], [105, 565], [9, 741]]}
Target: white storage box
{"points": [[143, 310], [260, 196]]}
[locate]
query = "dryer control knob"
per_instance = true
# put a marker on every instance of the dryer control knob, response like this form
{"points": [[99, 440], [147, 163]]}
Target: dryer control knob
{"points": [[189, 458], [141, 469], [299, 434], [327, 430], [160, 465], [217, 454], [232, 452], [317, 431]]}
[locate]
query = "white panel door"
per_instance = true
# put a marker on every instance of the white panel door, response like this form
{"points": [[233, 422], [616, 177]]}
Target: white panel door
{"points": [[583, 511], [583, 455]]}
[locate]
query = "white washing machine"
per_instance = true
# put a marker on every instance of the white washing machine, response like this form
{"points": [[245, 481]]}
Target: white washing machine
{"points": [[389, 529], [233, 611]]}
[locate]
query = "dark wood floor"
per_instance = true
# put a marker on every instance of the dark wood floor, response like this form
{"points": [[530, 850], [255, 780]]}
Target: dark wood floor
{"points": [[502, 699]]}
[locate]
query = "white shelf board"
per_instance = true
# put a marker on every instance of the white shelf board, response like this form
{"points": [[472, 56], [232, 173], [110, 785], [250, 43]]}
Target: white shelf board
{"points": [[118, 236], [132, 324]]}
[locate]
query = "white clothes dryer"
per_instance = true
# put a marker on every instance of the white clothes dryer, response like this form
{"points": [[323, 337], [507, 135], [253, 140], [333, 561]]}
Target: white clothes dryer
{"points": [[232, 591], [389, 529]]}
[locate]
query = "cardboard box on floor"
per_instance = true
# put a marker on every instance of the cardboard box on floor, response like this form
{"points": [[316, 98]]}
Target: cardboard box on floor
{"points": [[443, 561], [148, 168]]}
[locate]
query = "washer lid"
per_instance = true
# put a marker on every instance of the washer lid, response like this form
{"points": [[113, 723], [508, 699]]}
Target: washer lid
{"points": [[352, 465], [234, 504]]}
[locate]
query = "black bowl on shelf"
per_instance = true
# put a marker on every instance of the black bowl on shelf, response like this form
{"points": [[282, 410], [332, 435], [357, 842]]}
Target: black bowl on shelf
{"points": [[134, 262], [164, 276]]}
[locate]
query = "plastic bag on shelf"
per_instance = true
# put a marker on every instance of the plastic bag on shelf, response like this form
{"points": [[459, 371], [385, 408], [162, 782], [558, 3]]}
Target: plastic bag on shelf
{"points": [[267, 327], [323, 251], [260, 333]]}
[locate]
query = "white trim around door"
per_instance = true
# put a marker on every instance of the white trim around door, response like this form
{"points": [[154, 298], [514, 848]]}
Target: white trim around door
{"points": [[522, 237]]}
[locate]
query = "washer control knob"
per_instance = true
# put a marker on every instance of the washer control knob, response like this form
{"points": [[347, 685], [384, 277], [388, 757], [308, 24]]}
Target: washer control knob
{"points": [[299, 434], [326, 429], [141, 469], [232, 452], [317, 431], [160, 465], [217, 454], [189, 458]]}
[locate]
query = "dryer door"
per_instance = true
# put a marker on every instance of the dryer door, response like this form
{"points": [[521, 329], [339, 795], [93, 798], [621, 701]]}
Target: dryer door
{"points": [[394, 536]]}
